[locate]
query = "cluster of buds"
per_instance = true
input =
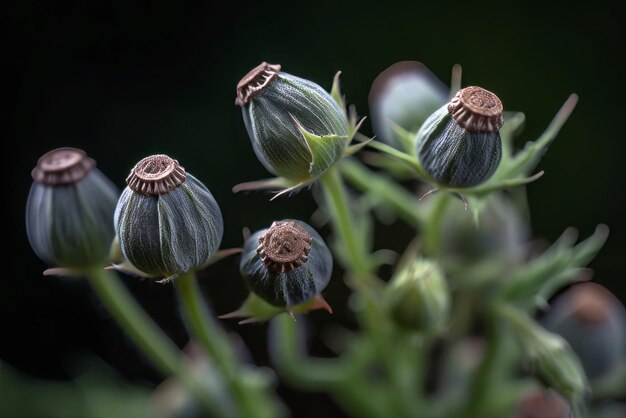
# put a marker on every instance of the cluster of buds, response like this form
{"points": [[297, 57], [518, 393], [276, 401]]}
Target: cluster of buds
{"points": [[166, 222]]}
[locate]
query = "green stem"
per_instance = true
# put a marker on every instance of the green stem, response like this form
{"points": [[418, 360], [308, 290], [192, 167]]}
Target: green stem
{"points": [[403, 204], [433, 231], [483, 381], [345, 377], [342, 220], [214, 341], [202, 324], [147, 335], [404, 403]]}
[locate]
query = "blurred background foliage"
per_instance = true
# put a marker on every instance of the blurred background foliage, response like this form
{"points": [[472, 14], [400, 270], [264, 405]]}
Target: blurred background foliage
{"points": [[123, 80]]}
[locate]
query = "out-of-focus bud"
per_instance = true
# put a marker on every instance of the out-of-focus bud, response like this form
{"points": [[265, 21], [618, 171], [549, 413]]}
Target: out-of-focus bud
{"points": [[297, 129], [499, 235], [167, 222], [459, 145], [287, 264], [553, 360], [542, 404], [69, 210], [593, 321], [417, 297], [404, 95]]}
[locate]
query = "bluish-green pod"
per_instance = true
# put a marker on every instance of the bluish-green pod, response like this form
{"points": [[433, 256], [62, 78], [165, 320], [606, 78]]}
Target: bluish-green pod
{"points": [[417, 297], [593, 321], [167, 222], [459, 145], [287, 264], [69, 210], [405, 94], [297, 129]]}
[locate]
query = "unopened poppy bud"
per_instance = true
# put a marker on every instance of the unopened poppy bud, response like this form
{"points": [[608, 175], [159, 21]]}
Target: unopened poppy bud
{"points": [[405, 94], [459, 145], [69, 210], [287, 264], [167, 222], [297, 129], [417, 297]]}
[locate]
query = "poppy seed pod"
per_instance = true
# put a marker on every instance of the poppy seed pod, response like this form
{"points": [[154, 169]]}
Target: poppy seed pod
{"points": [[459, 145], [69, 210], [405, 94], [296, 128], [417, 297], [167, 222], [287, 264], [593, 321]]}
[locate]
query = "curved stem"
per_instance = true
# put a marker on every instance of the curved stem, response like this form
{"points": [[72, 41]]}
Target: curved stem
{"points": [[342, 220], [251, 402], [345, 377], [202, 324], [161, 351]]}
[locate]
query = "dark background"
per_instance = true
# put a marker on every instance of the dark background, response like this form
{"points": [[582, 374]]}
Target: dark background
{"points": [[124, 80]]}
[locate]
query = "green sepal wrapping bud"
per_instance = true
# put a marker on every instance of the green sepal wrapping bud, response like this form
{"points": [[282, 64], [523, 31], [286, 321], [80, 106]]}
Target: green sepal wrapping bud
{"points": [[459, 145], [256, 309], [417, 298], [167, 222], [551, 357], [69, 210], [297, 129], [287, 264]]}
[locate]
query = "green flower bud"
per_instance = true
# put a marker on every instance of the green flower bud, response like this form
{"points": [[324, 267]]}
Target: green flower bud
{"points": [[287, 264], [405, 94], [297, 129], [459, 145], [557, 365], [69, 210], [417, 297], [593, 321], [167, 222], [551, 356]]}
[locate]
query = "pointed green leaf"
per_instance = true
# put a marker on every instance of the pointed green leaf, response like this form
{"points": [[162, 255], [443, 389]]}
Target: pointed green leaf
{"points": [[407, 138], [555, 268], [529, 157], [335, 93]]}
